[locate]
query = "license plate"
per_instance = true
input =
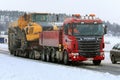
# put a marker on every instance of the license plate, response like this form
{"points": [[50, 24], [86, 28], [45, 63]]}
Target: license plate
{"points": [[89, 59]]}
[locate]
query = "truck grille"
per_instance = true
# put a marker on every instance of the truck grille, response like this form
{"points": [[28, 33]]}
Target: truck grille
{"points": [[89, 48]]}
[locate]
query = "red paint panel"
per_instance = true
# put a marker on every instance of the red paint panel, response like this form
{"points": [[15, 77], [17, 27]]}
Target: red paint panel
{"points": [[50, 38], [73, 20]]}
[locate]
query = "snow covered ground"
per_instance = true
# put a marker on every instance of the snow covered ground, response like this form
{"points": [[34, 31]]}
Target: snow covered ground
{"points": [[4, 46], [14, 68], [110, 42]]}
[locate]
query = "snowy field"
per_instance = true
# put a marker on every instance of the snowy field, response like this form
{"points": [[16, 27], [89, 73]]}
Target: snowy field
{"points": [[110, 42], [14, 68]]}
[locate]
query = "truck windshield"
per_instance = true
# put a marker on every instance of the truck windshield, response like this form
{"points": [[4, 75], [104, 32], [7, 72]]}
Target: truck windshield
{"points": [[88, 29]]}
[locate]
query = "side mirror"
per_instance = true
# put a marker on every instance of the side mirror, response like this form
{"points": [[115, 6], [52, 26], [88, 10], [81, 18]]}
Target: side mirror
{"points": [[105, 29]]}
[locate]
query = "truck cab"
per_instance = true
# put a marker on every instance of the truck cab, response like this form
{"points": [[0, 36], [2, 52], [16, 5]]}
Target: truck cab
{"points": [[84, 38]]}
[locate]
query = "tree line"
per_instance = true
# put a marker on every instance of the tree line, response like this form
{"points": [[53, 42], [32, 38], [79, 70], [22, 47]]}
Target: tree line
{"points": [[9, 16], [113, 28]]}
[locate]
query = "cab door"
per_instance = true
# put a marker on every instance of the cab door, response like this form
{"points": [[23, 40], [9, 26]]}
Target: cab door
{"points": [[68, 31]]}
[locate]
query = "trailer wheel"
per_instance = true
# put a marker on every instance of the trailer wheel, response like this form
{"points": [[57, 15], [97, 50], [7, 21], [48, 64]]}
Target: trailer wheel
{"points": [[47, 55], [66, 58], [31, 55], [26, 55], [53, 55], [96, 62], [20, 53], [12, 52], [43, 55], [17, 53]]}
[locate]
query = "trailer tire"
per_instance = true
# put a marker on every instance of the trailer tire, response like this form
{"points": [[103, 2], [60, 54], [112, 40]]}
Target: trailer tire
{"points": [[53, 52], [96, 62], [43, 55], [47, 55], [31, 55], [12, 52], [17, 53], [26, 55], [66, 58]]}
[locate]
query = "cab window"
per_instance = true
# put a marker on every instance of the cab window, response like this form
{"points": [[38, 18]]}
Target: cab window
{"points": [[66, 29]]}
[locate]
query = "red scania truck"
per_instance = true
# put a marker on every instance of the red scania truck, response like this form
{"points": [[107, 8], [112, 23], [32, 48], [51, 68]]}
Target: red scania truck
{"points": [[80, 38]]}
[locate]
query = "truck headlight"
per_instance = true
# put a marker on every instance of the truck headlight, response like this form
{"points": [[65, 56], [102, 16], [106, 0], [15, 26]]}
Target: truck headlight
{"points": [[75, 54], [102, 53]]}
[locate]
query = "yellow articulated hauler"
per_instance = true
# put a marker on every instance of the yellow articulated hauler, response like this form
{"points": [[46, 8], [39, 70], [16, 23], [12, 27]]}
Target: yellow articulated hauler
{"points": [[24, 34]]}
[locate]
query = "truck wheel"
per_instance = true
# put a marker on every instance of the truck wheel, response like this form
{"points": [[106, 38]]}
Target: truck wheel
{"points": [[65, 58], [113, 60], [96, 62]]}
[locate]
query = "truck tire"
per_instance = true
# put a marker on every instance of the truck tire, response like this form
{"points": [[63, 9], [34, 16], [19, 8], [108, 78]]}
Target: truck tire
{"points": [[113, 60], [96, 62], [66, 58]]}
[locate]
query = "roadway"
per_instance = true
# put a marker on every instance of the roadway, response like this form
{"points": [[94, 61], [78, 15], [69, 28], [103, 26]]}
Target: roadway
{"points": [[105, 67]]}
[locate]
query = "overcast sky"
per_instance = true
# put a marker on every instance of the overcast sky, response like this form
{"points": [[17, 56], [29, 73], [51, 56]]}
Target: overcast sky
{"points": [[104, 9]]}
